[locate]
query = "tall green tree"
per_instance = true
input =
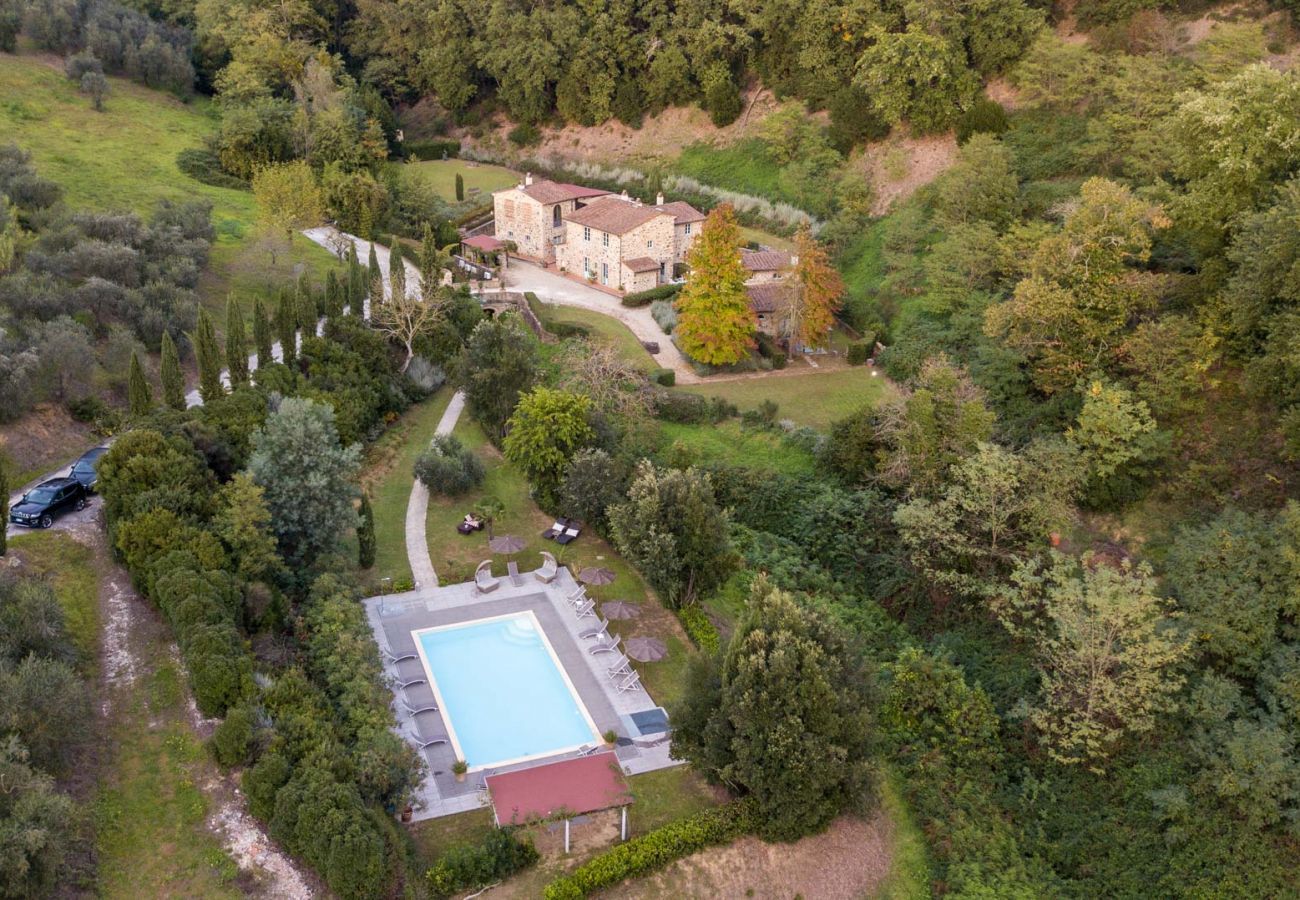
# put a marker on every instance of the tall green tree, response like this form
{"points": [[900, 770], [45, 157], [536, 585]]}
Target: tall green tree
{"points": [[305, 311], [672, 530], [208, 354], [243, 522], [358, 288], [4, 508], [545, 431], [374, 278], [263, 336], [396, 270], [173, 380], [286, 327], [236, 345], [460, 188], [307, 476], [366, 534], [333, 295], [784, 718], [139, 394], [498, 364], [715, 324]]}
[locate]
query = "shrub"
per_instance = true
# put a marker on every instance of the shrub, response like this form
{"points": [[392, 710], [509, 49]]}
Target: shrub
{"points": [[448, 468], [700, 628], [448, 149], [468, 866], [768, 349], [654, 850], [645, 298], [232, 742], [524, 134], [665, 377], [81, 63], [984, 116], [665, 314], [859, 353]]}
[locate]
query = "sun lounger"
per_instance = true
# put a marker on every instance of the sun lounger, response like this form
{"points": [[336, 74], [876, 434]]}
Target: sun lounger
{"points": [[576, 594], [623, 666], [550, 568], [606, 646], [599, 632], [512, 569], [586, 608], [422, 744], [416, 710], [569, 534], [590, 749], [399, 656], [412, 683], [483, 579], [556, 530], [630, 683]]}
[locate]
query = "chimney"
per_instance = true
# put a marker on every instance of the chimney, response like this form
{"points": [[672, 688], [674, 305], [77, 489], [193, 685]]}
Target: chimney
{"points": [[659, 199], [794, 260], [528, 179]]}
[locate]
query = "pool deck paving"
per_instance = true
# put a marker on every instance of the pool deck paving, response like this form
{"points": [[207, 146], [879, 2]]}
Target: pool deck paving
{"points": [[395, 617]]}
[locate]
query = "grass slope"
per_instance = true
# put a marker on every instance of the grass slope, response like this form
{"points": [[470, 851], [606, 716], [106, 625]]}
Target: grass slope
{"points": [[69, 568], [125, 158], [729, 443], [440, 174], [815, 398]]}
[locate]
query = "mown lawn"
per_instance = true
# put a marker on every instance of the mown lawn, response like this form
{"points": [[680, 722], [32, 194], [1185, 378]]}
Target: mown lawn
{"points": [[125, 158], [815, 398], [440, 174], [455, 557], [729, 442], [600, 327], [765, 238], [387, 477]]}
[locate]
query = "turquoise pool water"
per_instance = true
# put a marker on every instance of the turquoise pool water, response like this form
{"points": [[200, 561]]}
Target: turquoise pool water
{"points": [[502, 692]]}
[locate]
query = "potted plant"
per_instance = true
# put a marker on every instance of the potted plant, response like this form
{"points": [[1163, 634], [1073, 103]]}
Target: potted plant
{"points": [[407, 813], [459, 768], [611, 737]]}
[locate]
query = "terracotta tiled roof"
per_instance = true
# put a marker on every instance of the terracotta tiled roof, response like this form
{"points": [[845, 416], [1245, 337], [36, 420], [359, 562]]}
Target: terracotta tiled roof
{"points": [[764, 260], [613, 216], [483, 242], [641, 264], [570, 787], [767, 298], [683, 212], [558, 191]]}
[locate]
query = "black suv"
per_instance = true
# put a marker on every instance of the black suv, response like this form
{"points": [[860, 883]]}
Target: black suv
{"points": [[84, 469], [48, 499]]}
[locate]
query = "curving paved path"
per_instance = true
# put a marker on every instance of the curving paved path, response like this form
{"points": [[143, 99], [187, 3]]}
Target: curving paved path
{"points": [[417, 509]]}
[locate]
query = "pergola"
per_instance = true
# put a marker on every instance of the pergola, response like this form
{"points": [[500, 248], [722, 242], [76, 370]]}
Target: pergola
{"points": [[565, 789]]}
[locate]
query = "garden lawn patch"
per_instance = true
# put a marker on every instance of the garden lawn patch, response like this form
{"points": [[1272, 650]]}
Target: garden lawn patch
{"points": [[766, 238], [814, 398], [70, 568], [600, 327], [440, 174], [666, 795], [732, 444]]}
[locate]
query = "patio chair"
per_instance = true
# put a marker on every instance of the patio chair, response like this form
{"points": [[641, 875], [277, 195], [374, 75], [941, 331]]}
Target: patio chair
{"points": [[601, 632], [605, 646], [630, 683], [586, 608], [550, 568], [623, 666], [576, 594], [483, 579]]}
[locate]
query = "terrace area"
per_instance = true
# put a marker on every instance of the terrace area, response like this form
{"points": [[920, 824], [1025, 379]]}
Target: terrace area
{"points": [[426, 714]]}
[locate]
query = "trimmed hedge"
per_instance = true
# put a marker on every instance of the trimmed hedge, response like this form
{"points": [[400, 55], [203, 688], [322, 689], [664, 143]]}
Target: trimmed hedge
{"points": [[468, 866], [645, 298], [859, 354], [654, 850], [665, 377], [432, 149], [768, 349], [700, 629]]}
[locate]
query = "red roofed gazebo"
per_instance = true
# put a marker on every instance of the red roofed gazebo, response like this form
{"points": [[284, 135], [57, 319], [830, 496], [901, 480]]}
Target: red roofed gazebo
{"points": [[483, 242], [568, 788]]}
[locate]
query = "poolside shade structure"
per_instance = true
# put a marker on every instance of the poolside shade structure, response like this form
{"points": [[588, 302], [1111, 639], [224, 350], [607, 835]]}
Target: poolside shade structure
{"points": [[645, 649], [620, 610], [506, 543], [569, 788], [596, 575]]}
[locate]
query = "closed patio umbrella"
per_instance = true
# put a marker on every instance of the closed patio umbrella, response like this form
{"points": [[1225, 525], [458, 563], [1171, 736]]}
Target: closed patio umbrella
{"points": [[596, 575], [620, 610], [506, 543], [645, 649]]}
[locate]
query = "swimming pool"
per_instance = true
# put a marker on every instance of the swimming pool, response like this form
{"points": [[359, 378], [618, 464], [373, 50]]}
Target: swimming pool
{"points": [[502, 691]]}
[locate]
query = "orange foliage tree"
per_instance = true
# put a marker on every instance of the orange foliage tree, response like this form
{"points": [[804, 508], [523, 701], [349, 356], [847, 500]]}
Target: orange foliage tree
{"points": [[818, 294], [715, 324]]}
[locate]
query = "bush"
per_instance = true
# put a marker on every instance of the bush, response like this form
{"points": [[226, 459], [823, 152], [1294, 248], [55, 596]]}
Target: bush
{"points": [[665, 314], [985, 115], [81, 63], [468, 866], [768, 349], [645, 298], [524, 134], [700, 628], [859, 353], [692, 409], [665, 377], [232, 742], [449, 149], [448, 468], [204, 165], [654, 850]]}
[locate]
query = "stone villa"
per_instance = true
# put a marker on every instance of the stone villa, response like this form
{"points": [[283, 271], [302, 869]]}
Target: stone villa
{"points": [[613, 240]]}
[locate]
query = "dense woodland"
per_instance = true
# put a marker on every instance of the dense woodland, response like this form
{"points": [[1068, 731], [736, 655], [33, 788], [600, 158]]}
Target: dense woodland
{"points": [[1051, 584]]}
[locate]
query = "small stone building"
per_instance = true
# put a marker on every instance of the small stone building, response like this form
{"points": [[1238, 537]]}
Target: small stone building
{"points": [[532, 214], [766, 266], [768, 301]]}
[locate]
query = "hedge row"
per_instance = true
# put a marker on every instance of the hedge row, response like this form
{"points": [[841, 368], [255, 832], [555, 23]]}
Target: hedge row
{"points": [[658, 848], [432, 149], [645, 298], [700, 629], [468, 866]]}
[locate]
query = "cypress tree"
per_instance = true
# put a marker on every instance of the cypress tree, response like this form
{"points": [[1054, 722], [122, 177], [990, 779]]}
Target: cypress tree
{"points": [[460, 188], [262, 337], [366, 534], [430, 259], [236, 345], [4, 510], [333, 295], [286, 327], [139, 396], [352, 255], [208, 354], [356, 289], [305, 306], [173, 381], [374, 278], [397, 271]]}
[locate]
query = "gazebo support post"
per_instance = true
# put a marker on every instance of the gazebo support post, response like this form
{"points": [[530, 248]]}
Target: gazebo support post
{"points": [[566, 837], [622, 831]]}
